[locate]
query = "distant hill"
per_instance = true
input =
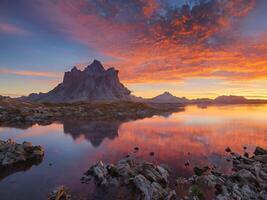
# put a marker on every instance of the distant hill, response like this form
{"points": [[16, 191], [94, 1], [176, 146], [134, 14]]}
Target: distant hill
{"points": [[228, 99], [167, 97], [94, 83], [231, 99]]}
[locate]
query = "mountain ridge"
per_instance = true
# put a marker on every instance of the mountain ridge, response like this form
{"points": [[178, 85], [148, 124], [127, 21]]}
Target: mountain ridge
{"points": [[94, 83]]}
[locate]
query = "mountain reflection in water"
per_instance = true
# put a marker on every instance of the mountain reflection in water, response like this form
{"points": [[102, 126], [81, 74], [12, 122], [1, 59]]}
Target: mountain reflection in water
{"points": [[93, 131], [198, 136]]}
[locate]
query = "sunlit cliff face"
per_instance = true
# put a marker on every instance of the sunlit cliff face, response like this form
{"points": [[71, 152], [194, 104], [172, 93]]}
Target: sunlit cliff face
{"points": [[165, 41]]}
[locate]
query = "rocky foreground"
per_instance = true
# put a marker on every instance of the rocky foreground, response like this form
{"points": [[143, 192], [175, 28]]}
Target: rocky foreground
{"points": [[247, 181], [147, 181], [12, 153], [24, 114]]}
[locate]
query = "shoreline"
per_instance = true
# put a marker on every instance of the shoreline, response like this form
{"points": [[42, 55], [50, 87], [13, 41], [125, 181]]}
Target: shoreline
{"points": [[19, 113]]}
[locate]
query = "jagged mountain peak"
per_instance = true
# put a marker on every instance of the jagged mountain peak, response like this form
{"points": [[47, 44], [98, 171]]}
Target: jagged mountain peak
{"points": [[166, 93], [75, 69], [95, 67], [94, 83]]}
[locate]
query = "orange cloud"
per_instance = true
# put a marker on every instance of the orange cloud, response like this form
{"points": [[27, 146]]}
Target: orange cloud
{"points": [[31, 73], [151, 42]]}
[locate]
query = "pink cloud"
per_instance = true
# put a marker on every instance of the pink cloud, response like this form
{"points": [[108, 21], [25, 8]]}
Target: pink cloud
{"points": [[203, 42], [11, 29]]}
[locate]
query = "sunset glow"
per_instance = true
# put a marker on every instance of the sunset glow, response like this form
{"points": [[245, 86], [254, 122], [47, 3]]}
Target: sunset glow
{"points": [[219, 46]]}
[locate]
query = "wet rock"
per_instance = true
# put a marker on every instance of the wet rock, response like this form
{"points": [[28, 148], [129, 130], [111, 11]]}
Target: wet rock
{"points": [[13, 153], [60, 193], [136, 148], [187, 163], [200, 171], [228, 149], [144, 186], [260, 151], [247, 181], [151, 153], [261, 158], [149, 180], [246, 154]]}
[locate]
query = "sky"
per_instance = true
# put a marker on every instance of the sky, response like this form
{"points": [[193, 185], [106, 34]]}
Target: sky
{"points": [[192, 48]]}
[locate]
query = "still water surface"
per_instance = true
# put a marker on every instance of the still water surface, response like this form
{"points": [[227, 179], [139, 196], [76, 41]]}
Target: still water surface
{"points": [[197, 135]]}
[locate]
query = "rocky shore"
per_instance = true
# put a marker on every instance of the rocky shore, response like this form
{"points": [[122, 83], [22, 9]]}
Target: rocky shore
{"points": [[247, 180], [12, 153], [145, 180], [24, 114]]}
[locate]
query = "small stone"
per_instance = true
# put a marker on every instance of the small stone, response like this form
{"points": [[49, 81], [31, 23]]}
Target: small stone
{"points": [[59, 193], [246, 154], [260, 151], [151, 153], [136, 148], [187, 163], [228, 149], [199, 171]]}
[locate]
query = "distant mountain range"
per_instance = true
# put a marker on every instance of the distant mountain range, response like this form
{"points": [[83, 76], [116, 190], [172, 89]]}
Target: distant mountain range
{"points": [[95, 83], [167, 97]]}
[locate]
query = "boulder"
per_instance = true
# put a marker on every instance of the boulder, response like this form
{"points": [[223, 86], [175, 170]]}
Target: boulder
{"points": [[148, 180], [60, 193], [13, 153]]}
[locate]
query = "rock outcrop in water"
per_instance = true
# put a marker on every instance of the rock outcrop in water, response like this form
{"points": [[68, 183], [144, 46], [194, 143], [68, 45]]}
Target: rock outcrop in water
{"points": [[94, 83], [247, 181], [148, 180], [144, 180], [12, 153], [60, 193]]}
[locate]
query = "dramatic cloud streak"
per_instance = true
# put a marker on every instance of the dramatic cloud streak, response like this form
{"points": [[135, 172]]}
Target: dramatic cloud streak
{"points": [[31, 73], [155, 41], [152, 41]]}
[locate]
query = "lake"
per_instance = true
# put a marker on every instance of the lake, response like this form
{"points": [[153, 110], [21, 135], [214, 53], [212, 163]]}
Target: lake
{"points": [[198, 135]]}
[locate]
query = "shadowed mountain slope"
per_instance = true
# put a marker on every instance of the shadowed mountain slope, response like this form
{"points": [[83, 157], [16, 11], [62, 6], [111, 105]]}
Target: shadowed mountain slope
{"points": [[94, 83]]}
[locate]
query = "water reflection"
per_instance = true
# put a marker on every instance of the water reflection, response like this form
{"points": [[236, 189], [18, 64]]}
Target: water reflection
{"points": [[19, 167], [196, 135], [93, 131]]}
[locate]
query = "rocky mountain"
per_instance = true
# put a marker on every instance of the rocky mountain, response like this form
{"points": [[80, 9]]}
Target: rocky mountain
{"points": [[167, 97], [94, 83]]}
